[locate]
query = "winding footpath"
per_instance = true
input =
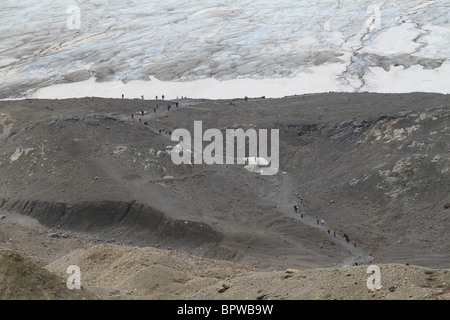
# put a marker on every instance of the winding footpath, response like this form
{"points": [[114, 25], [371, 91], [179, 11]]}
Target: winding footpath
{"points": [[356, 254], [286, 198]]}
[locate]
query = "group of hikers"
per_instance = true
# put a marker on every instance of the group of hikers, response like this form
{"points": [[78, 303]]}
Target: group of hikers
{"points": [[296, 211], [169, 106], [142, 97], [142, 113], [156, 97], [322, 222]]}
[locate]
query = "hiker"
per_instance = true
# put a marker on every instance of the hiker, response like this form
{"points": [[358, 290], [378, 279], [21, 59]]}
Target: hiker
{"points": [[142, 112], [354, 244], [132, 116], [329, 231], [346, 238], [122, 96], [162, 97], [334, 233], [323, 222], [301, 215], [140, 120], [154, 110], [156, 97], [176, 104], [295, 208], [142, 97]]}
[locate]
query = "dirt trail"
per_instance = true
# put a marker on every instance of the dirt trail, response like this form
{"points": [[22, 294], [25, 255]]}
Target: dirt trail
{"points": [[289, 197]]}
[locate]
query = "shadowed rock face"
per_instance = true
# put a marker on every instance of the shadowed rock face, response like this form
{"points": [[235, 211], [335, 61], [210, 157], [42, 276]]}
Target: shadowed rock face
{"points": [[118, 221]]}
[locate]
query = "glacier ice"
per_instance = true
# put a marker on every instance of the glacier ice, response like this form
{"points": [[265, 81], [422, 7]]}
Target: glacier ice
{"points": [[222, 49]]}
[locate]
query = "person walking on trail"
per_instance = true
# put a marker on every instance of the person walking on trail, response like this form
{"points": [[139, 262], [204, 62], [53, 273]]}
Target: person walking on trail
{"points": [[323, 222], [334, 233], [132, 116], [329, 231], [301, 215], [140, 120], [354, 244], [296, 208]]}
